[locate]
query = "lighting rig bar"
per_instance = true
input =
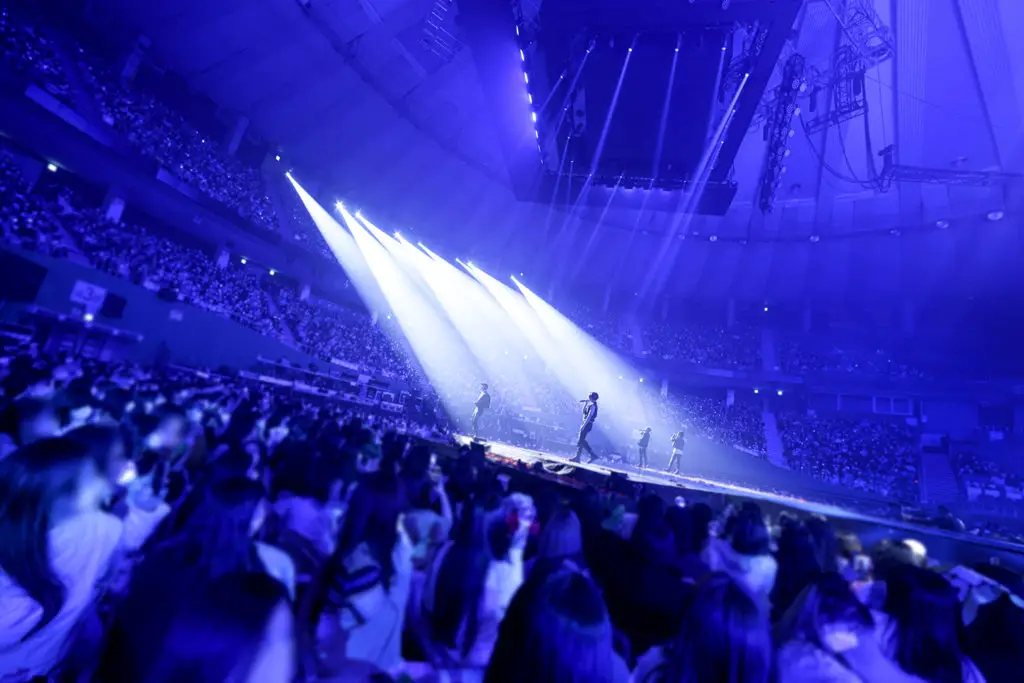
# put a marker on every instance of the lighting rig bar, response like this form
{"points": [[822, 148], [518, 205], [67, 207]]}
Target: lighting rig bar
{"points": [[847, 85], [871, 38], [897, 173], [779, 129]]}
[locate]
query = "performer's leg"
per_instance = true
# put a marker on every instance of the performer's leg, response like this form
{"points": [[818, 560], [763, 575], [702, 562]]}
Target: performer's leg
{"points": [[476, 419], [587, 448]]}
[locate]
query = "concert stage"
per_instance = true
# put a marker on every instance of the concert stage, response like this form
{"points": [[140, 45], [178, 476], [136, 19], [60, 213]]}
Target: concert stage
{"points": [[654, 477], [697, 488]]}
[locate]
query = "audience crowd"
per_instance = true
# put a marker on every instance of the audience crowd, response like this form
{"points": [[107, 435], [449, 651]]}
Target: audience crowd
{"points": [[863, 455], [169, 526], [157, 132], [735, 348], [982, 478], [808, 357], [29, 54]]}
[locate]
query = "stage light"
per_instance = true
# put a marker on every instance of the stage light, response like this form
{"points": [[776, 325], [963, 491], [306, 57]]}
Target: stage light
{"points": [[244, 260], [277, 157], [273, 272], [522, 56], [765, 309], [52, 168], [941, 225], [526, 77], [288, 175], [88, 317], [641, 380], [533, 115], [398, 235], [338, 205], [779, 392], [995, 216], [757, 391], [529, 97]]}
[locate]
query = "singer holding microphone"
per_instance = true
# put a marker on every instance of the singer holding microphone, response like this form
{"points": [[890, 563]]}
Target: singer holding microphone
{"points": [[589, 416]]}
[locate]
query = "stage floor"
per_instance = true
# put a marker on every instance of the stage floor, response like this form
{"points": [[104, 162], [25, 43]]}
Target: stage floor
{"points": [[662, 478], [870, 527]]}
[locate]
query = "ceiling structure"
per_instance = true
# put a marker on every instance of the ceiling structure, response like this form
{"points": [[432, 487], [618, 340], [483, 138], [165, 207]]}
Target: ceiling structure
{"points": [[378, 102]]}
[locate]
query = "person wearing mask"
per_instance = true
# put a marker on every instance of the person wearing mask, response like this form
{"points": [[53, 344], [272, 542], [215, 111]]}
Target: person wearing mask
{"points": [[589, 418]]}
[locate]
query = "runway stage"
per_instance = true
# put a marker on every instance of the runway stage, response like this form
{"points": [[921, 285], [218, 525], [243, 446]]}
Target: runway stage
{"points": [[861, 519], [656, 477]]}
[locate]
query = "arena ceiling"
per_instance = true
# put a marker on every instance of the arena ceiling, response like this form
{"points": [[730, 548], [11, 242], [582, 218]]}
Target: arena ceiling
{"points": [[379, 102]]}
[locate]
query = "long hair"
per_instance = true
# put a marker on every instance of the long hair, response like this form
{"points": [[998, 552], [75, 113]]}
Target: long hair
{"points": [[216, 537], [926, 630], [101, 441], [216, 634], [825, 544], [33, 480], [798, 565], [372, 519], [459, 585], [556, 630], [824, 602], [724, 638]]}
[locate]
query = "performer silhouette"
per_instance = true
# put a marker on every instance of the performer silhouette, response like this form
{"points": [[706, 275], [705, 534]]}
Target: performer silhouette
{"points": [[482, 405], [642, 444], [589, 417], [678, 444]]}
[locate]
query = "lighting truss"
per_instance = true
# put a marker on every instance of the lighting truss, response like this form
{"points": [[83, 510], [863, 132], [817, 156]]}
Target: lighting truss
{"points": [[865, 31], [847, 86], [893, 172], [779, 129]]}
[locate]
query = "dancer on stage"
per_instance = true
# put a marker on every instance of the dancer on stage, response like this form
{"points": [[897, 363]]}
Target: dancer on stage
{"points": [[642, 444], [678, 443], [482, 405], [589, 416]]}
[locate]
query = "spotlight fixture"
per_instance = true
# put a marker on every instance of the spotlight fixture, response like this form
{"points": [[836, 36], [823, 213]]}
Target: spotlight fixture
{"points": [[941, 225], [88, 317], [995, 216], [244, 260], [273, 272], [779, 392], [277, 157], [52, 168], [757, 391]]}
